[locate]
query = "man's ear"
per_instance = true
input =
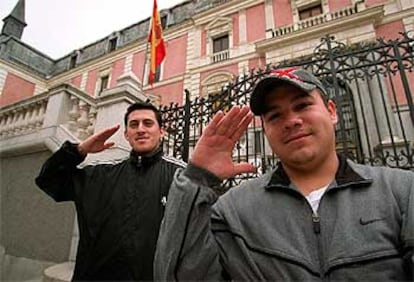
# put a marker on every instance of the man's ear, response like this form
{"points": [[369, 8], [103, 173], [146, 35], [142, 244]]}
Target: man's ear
{"points": [[163, 132], [126, 134], [332, 111]]}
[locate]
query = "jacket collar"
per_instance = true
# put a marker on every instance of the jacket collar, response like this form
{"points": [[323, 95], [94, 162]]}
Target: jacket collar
{"points": [[146, 159], [345, 176]]}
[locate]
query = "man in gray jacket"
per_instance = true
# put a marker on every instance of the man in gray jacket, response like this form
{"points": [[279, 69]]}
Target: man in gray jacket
{"points": [[316, 216]]}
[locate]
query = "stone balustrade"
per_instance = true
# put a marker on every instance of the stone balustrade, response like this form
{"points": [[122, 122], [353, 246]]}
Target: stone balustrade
{"points": [[221, 56], [81, 117], [23, 117], [314, 21], [28, 115]]}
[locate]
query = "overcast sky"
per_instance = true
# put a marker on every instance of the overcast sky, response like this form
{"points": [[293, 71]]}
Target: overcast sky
{"points": [[57, 27]]}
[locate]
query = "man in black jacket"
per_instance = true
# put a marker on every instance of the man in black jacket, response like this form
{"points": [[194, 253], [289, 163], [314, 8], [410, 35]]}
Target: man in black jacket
{"points": [[119, 205]]}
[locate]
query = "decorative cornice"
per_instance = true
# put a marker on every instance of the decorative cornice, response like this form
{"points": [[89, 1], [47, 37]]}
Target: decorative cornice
{"points": [[225, 9], [225, 63], [174, 79], [400, 15]]}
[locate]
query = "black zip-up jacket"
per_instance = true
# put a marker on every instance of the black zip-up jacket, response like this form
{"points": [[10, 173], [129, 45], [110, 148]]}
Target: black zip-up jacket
{"points": [[119, 206]]}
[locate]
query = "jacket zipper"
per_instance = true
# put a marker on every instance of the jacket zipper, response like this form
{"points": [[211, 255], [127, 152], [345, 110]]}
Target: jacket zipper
{"points": [[316, 222]]}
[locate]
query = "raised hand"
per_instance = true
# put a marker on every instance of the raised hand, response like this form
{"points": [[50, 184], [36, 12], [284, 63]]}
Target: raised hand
{"points": [[213, 150], [97, 142]]}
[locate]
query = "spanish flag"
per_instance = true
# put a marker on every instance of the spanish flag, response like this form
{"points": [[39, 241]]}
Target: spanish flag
{"points": [[157, 43]]}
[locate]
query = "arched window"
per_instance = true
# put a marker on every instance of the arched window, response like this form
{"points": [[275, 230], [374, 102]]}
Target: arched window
{"points": [[213, 89]]}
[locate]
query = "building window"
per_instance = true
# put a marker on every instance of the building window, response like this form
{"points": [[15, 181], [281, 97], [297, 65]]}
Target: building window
{"points": [[219, 101], [164, 21], [214, 89], [112, 44], [219, 34], [104, 82], [221, 43], [157, 74], [73, 60], [221, 48], [310, 12]]}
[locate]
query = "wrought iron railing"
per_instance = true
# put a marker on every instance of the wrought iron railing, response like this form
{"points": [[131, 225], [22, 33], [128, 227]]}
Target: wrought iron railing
{"points": [[371, 83]]}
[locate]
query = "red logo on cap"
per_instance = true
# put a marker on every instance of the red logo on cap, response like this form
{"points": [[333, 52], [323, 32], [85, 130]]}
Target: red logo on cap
{"points": [[286, 72]]}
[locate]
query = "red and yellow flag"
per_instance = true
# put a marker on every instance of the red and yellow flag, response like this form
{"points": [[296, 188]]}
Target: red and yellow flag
{"points": [[157, 43]]}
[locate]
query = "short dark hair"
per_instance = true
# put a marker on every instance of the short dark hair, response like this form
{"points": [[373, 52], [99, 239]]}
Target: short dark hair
{"points": [[143, 106]]}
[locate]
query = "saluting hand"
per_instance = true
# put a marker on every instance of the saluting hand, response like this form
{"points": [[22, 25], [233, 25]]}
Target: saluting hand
{"points": [[97, 142], [213, 150]]}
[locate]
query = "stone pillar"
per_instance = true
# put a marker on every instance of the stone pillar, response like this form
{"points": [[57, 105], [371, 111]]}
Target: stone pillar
{"points": [[57, 109]]}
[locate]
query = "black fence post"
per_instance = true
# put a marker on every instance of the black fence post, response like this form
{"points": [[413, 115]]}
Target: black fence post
{"points": [[187, 120]]}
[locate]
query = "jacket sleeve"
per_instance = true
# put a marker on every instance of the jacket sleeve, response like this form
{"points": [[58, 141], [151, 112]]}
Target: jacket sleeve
{"points": [[186, 248], [58, 173], [407, 230]]}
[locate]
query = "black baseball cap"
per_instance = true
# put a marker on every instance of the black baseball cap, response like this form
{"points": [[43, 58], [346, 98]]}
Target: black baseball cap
{"points": [[297, 77]]}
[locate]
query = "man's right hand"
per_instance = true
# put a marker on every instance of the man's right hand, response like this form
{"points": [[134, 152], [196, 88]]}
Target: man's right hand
{"points": [[213, 150], [97, 142]]}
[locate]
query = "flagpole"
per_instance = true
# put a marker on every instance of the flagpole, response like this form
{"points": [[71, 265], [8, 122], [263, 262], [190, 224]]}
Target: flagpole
{"points": [[145, 64], [158, 51], [146, 51]]}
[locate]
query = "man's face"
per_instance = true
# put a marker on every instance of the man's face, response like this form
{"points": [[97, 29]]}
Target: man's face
{"points": [[143, 131], [299, 126]]}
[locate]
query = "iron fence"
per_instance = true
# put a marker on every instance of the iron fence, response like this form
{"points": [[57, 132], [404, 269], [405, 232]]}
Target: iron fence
{"points": [[371, 84]]}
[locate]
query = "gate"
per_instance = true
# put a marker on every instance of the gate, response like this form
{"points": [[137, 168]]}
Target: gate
{"points": [[371, 84]]}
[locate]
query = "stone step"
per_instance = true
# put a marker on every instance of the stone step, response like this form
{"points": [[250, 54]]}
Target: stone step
{"points": [[61, 272]]}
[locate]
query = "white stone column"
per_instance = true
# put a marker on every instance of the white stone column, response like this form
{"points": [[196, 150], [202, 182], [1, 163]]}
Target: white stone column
{"points": [[83, 81], [269, 18], [242, 27], [128, 63], [3, 74], [243, 67]]}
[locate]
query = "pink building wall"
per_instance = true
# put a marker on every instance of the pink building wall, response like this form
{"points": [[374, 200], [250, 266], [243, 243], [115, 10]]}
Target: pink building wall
{"points": [[257, 62], [282, 12], [176, 56], [138, 64], [335, 5], [76, 81], [15, 89], [390, 31], [91, 82], [170, 93], [117, 71], [255, 17]]}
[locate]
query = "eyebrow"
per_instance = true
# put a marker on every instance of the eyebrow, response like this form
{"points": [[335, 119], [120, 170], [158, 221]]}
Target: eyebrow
{"points": [[295, 98], [301, 96], [141, 120]]}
